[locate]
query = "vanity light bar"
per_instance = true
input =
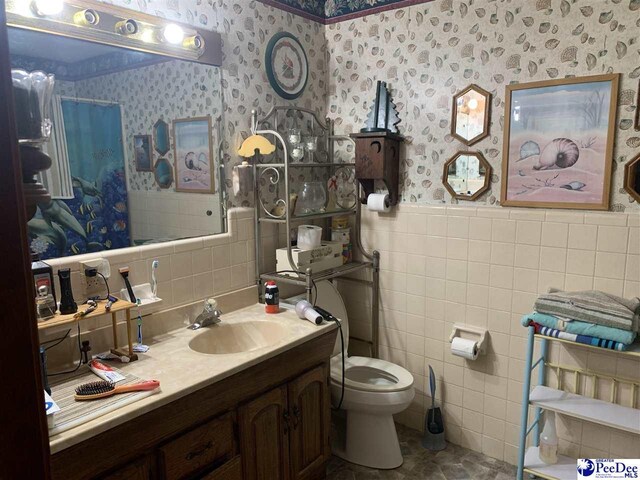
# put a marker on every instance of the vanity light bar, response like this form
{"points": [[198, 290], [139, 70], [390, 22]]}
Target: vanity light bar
{"points": [[103, 23]]}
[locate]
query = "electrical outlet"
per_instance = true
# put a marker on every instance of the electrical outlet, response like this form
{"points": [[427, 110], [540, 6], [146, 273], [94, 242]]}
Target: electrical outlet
{"points": [[94, 286]]}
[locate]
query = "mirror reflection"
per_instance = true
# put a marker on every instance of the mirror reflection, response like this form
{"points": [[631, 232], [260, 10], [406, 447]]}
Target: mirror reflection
{"points": [[119, 175], [466, 175], [471, 115]]}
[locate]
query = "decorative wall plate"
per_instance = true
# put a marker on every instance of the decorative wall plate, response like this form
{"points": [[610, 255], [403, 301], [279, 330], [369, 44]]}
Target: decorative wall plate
{"points": [[287, 66]]}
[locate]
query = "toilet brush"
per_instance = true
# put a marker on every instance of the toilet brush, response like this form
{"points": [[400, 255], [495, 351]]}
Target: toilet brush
{"points": [[433, 424]]}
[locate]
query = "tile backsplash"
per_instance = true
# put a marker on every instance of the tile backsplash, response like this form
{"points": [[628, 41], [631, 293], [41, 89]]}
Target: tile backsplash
{"points": [[485, 267], [189, 271]]}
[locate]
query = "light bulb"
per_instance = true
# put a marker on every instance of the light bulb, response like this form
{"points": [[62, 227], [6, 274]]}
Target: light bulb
{"points": [[44, 8], [173, 34], [473, 104]]}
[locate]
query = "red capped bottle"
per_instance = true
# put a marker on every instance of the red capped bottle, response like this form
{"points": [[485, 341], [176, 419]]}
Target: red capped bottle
{"points": [[271, 297]]}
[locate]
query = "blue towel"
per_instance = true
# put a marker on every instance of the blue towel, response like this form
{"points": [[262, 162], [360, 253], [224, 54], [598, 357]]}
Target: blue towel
{"points": [[572, 337], [581, 328]]}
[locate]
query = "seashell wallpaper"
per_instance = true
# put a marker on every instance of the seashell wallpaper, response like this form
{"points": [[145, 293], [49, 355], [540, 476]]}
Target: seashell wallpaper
{"points": [[426, 52], [246, 27], [430, 51]]}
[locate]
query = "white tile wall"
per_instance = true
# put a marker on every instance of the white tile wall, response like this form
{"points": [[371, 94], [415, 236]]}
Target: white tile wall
{"points": [[485, 267], [189, 270], [167, 214]]}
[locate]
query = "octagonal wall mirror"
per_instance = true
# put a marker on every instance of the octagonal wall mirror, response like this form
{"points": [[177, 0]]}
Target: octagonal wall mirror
{"points": [[632, 178], [470, 117], [163, 173], [467, 175]]}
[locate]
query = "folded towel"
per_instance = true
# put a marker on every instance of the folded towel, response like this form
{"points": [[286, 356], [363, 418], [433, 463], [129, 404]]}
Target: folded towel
{"points": [[593, 307], [584, 339], [581, 328]]}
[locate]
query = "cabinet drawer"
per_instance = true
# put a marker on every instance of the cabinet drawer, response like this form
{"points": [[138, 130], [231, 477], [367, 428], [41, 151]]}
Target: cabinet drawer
{"points": [[232, 470], [198, 448]]}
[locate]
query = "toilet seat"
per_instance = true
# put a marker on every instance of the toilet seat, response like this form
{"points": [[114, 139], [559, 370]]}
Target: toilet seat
{"points": [[370, 374]]}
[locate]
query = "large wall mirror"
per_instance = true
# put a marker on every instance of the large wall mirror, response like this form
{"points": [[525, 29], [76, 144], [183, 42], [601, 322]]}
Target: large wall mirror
{"points": [[118, 180]]}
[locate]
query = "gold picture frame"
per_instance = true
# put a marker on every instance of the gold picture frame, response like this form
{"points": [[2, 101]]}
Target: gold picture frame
{"points": [[539, 159], [193, 161], [632, 178]]}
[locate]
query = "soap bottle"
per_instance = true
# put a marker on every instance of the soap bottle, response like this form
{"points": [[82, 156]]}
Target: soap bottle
{"points": [[549, 440]]}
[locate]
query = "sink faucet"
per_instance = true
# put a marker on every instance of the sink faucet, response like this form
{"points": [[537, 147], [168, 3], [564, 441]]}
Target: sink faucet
{"points": [[210, 315]]}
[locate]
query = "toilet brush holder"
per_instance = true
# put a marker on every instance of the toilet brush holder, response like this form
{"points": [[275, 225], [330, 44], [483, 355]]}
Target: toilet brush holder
{"points": [[433, 441], [433, 422]]}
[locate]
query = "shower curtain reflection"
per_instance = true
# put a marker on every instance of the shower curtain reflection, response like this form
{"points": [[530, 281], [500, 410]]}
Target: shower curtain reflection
{"points": [[97, 217]]}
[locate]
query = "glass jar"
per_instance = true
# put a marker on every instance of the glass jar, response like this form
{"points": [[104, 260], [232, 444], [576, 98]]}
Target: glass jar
{"points": [[32, 97], [313, 198], [296, 152], [293, 136]]}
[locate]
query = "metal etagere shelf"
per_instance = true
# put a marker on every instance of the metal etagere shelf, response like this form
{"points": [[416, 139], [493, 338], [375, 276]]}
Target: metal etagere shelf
{"points": [[277, 172], [582, 405]]}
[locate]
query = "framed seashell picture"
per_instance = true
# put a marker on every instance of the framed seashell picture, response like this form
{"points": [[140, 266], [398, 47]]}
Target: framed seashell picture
{"points": [[558, 143]]}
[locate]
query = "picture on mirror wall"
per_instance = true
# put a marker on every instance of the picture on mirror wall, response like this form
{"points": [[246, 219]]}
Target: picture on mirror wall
{"points": [[558, 143], [142, 151], [193, 155]]}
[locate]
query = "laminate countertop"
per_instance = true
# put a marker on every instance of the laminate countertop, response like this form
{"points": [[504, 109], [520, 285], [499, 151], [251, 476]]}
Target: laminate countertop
{"points": [[182, 371]]}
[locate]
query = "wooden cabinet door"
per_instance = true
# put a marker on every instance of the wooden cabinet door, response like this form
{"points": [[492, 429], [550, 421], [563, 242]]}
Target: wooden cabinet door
{"points": [[310, 412], [264, 436]]}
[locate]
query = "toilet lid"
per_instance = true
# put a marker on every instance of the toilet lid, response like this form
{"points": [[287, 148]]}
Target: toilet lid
{"points": [[371, 374], [328, 297]]}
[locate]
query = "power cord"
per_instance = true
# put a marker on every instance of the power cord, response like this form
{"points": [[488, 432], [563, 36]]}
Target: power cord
{"points": [[79, 360], [327, 316], [106, 284], [92, 272], [343, 370], [57, 341]]}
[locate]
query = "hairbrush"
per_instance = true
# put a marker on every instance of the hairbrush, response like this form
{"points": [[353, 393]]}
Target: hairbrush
{"points": [[95, 390]]}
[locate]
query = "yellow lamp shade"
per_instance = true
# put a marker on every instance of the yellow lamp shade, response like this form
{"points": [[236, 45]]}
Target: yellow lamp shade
{"points": [[256, 142]]}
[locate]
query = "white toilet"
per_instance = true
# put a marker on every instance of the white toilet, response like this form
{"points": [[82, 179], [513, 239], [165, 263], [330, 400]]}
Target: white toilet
{"points": [[374, 390]]}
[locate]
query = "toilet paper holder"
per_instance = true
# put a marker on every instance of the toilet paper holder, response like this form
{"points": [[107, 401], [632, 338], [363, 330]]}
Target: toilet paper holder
{"points": [[480, 332], [378, 158]]}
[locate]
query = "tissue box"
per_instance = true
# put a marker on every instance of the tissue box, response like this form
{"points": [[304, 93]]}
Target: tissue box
{"points": [[328, 255]]}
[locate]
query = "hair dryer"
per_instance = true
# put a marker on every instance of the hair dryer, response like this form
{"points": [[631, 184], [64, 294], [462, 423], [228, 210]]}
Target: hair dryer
{"points": [[306, 312]]}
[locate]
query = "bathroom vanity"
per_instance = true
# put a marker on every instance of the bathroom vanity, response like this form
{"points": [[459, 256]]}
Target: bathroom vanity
{"points": [[260, 414]]}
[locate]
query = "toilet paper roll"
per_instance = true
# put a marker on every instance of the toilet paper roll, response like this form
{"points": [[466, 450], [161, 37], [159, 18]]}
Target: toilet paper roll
{"points": [[378, 202], [461, 347]]}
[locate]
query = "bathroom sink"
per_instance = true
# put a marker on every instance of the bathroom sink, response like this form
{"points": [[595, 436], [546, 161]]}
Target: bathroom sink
{"points": [[226, 338]]}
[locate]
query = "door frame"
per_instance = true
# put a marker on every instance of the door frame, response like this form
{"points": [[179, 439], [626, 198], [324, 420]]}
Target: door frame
{"points": [[24, 433]]}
